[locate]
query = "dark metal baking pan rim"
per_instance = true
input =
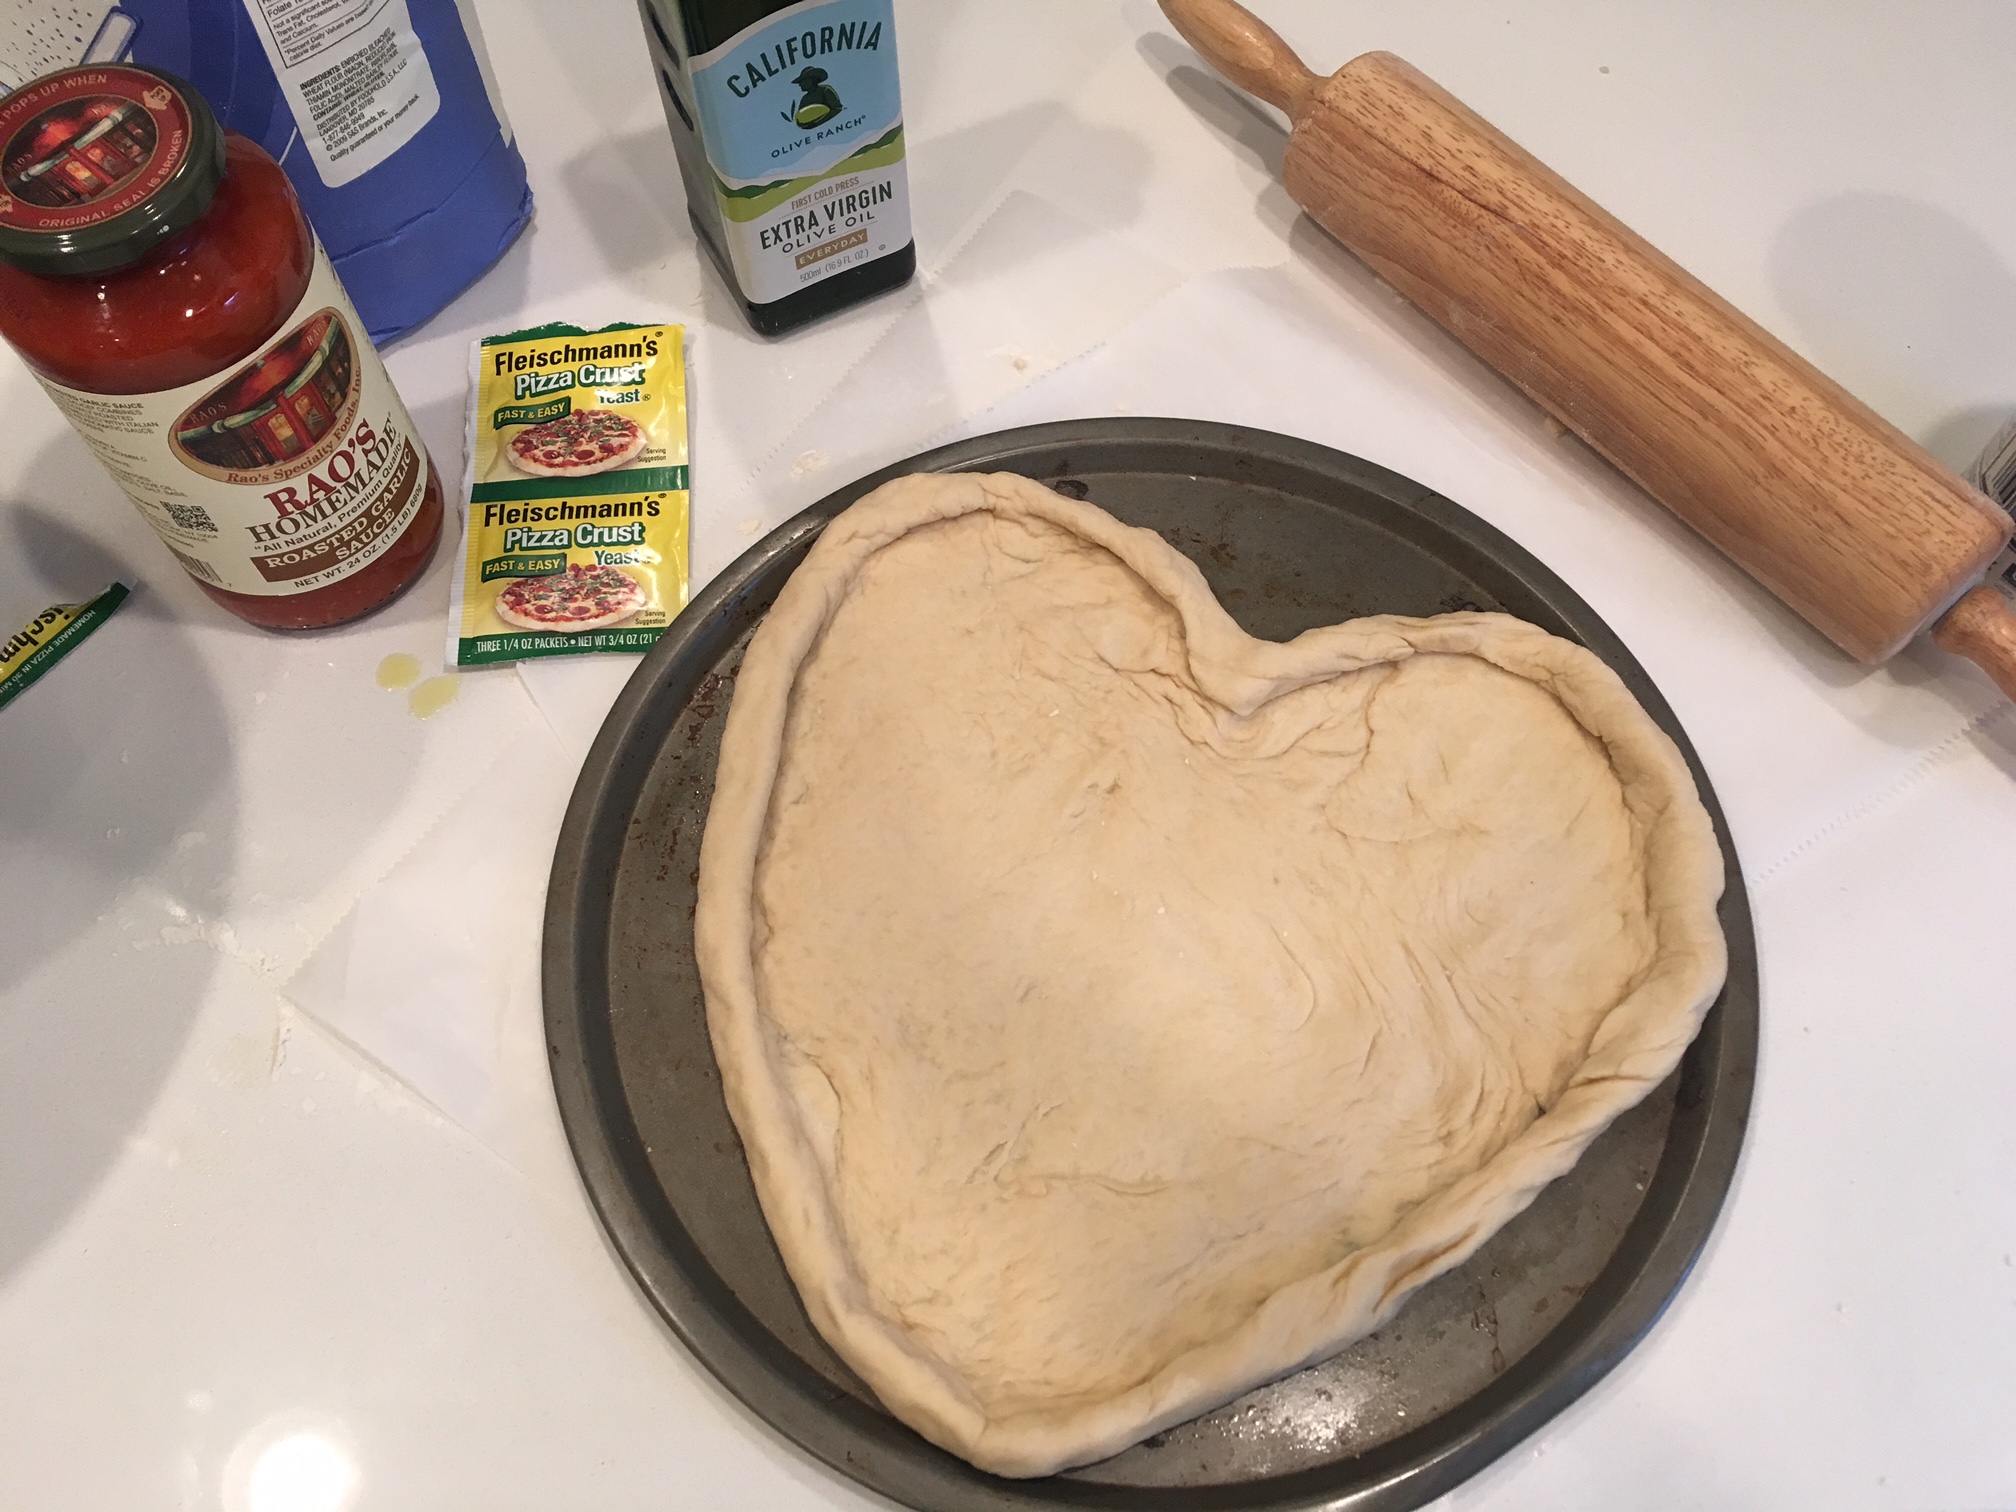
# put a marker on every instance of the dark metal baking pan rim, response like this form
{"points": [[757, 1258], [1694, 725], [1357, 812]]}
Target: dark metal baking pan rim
{"points": [[1653, 1258]]}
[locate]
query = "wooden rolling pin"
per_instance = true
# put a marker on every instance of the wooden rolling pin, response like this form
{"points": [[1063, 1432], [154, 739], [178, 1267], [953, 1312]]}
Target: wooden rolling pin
{"points": [[1828, 505]]}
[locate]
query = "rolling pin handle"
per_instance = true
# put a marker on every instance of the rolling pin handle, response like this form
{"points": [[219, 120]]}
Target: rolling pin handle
{"points": [[1247, 51], [1982, 628]]}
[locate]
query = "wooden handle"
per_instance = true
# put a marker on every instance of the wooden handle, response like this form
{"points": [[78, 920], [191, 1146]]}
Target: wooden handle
{"points": [[1982, 628], [1831, 507], [1246, 50]]}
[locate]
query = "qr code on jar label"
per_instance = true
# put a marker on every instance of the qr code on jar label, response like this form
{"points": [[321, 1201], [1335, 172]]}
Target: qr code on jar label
{"points": [[191, 517]]}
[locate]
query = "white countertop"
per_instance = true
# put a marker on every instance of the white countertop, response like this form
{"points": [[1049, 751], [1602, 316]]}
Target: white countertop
{"points": [[279, 1162]]}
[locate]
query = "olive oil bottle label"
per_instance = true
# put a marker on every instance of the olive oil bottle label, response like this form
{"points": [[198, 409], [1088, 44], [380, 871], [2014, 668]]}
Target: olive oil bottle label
{"points": [[803, 125], [286, 472]]}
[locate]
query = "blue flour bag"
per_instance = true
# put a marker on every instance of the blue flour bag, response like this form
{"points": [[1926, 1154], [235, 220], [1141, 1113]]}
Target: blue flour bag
{"points": [[383, 112]]}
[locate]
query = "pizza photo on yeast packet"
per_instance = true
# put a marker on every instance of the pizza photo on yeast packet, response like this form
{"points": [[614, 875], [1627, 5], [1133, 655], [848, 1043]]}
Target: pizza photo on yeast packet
{"points": [[575, 535]]}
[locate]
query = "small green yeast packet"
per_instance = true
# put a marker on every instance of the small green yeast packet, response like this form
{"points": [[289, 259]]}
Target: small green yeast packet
{"points": [[49, 637]]}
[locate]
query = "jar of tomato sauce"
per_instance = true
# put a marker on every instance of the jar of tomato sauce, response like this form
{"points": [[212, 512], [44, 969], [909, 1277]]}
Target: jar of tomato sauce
{"points": [[158, 277]]}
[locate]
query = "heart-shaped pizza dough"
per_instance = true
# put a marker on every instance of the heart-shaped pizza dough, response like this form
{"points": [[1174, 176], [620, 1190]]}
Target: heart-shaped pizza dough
{"points": [[1119, 1011]]}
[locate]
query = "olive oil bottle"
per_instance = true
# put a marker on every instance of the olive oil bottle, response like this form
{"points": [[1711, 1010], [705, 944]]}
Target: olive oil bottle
{"points": [[789, 127]]}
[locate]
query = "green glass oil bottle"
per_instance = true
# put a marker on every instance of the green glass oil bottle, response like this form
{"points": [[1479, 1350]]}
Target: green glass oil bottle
{"points": [[788, 122]]}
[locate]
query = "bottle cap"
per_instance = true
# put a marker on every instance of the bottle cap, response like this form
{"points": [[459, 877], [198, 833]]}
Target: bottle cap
{"points": [[101, 164]]}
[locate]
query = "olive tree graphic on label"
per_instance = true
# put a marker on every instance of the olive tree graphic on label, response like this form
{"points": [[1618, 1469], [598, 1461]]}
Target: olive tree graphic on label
{"points": [[816, 99]]}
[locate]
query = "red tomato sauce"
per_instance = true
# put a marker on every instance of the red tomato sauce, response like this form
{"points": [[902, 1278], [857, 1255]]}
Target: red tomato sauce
{"points": [[207, 297]]}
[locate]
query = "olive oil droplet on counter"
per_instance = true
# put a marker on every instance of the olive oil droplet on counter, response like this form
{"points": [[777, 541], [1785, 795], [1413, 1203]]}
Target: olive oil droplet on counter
{"points": [[399, 670], [433, 695]]}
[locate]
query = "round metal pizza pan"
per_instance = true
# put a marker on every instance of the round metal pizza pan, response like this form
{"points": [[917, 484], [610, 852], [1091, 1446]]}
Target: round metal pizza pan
{"points": [[1290, 535]]}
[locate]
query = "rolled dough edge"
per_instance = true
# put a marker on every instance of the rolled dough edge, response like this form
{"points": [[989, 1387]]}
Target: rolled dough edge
{"points": [[1638, 1044]]}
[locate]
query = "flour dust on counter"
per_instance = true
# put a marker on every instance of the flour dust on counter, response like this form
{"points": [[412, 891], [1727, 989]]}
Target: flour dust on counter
{"points": [[575, 535]]}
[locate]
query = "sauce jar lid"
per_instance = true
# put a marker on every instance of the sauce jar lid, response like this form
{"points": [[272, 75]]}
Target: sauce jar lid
{"points": [[100, 164]]}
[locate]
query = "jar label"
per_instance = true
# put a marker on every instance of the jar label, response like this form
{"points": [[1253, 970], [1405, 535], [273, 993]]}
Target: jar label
{"points": [[802, 121], [288, 472]]}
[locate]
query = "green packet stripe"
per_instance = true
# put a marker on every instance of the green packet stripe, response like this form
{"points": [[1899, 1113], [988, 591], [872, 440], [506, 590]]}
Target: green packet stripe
{"points": [[61, 644], [484, 650], [634, 480], [558, 328]]}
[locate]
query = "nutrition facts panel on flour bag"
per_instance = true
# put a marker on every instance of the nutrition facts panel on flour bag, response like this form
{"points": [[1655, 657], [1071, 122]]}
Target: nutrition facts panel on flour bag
{"points": [[354, 74]]}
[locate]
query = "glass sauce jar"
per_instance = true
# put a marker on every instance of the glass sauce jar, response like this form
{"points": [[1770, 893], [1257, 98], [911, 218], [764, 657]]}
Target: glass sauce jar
{"points": [[159, 279]]}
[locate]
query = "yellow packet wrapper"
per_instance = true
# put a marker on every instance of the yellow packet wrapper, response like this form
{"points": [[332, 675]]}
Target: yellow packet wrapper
{"points": [[575, 536]]}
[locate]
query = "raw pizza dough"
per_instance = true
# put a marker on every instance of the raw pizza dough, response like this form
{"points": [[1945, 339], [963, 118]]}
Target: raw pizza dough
{"points": [[1119, 1011]]}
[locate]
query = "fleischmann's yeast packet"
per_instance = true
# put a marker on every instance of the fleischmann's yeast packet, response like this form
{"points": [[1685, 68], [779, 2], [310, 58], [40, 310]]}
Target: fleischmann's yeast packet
{"points": [[49, 637], [575, 538]]}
